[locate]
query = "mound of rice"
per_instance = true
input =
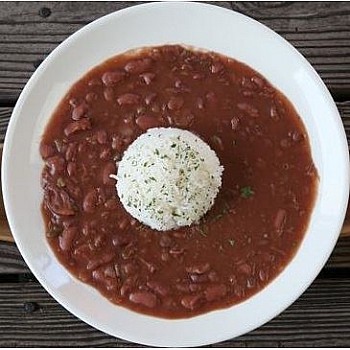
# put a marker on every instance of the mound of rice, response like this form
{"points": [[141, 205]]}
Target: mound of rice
{"points": [[168, 178]]}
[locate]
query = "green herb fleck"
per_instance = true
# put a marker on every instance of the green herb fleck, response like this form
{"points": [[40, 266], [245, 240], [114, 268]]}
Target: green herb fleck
{"points": [[201, 231], [246, 192]]}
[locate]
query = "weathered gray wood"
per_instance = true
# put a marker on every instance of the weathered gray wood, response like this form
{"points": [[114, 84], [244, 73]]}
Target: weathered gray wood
{"points": [[321, 31], [5, 114], [30, 31], [321, 317], [11, 261]]}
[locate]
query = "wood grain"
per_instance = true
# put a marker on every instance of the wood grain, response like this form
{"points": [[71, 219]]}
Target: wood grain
{"points": [[30, 31], [321, 316]]}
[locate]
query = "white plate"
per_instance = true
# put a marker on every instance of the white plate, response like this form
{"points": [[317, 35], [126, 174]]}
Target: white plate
{"points": [[203, 26]]}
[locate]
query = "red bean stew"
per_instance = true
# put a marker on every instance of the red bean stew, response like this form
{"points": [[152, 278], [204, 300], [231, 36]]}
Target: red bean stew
{"points": [[259, 217]]}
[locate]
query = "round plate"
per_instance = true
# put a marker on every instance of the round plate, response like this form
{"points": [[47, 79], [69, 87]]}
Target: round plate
{"points": [[202, 26]]}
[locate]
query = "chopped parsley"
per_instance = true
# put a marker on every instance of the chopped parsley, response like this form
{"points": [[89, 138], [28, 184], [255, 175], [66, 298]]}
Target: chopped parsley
{"points": [[246, 192]]}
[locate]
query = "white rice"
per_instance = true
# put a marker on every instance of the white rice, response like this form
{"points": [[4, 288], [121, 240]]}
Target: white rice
{"points": [[168, 178]]}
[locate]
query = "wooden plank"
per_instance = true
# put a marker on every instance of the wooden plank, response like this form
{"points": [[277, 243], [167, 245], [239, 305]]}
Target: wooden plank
{"points": [[11, 261], [320, 32], [320, 317], [30, 31]]}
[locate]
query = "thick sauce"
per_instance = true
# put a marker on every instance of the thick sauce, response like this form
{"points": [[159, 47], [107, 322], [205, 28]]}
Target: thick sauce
{"points": [[258, 220]]}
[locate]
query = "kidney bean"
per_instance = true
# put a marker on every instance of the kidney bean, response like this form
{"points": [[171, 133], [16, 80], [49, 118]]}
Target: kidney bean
{"points": [[247, 93], [263, 276], [211, 98], [145, 122], [80, 111], [183, 120], [183, 287], [239, 290], [73, 102], [91, 97], [215, 292], [155, 108], [128, 252], [175, 103], [249, 109], [98, 275], [280, 220], [147, 77], [82, 252], [198, 268], [138, 66], [67, 237], [105, 153], [129, 268], [128, 99], [213, 276], [150, 267], [200, 103], [149, 98], [158, 288], [111, 204], [71, 151], [46, 150], [94, 82], [250, 283], [274, 114], [59, 202], [244, 268], [90, 201], [121, 240], [285, 143], [259, 82], [165, 241], [96, 261], [112, 78], [198, 76], [176, 251], [217, 142], [107, 170], [144, 298], [216, 67], [81, 125], [123, 223], [165, 256], [192, 302], [72, 169], [108, 94], [56, 165], [195, 287], [128, 286], [197, 278], [101, 136]]}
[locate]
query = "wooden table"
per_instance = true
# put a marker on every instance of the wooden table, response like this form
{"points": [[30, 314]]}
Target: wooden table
{"points": [[29, 31]]}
